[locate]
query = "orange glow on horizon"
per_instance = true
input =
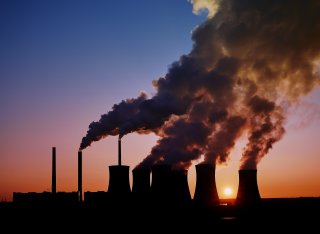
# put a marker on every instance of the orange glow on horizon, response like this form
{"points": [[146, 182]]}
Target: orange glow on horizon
{"points": [[31, 169]]}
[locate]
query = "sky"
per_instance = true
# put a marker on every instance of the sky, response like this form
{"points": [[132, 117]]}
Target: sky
{"points": [[64, 63]]}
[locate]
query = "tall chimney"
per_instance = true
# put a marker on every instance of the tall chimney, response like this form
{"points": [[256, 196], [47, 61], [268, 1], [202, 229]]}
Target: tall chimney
{"points": [[53, 182], [119, 151], [80, 176], [206, 191], [248, 192]]}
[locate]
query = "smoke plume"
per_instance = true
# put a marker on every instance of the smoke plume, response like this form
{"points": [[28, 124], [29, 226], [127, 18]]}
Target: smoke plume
{"points": [[250, 61], [109, 123]]}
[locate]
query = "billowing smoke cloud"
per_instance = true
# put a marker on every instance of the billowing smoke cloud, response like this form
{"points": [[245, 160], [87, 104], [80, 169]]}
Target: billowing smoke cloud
{"points": [[182, 141], [265, 128], [250, 61], [109, 123], [222, 141]]}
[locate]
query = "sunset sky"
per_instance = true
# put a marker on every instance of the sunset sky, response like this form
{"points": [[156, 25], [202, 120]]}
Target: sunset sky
{"points": [[64, 63]]}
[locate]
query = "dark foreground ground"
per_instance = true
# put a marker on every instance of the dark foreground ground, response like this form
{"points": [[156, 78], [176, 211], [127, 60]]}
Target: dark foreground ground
{"points": [[271, 215]]}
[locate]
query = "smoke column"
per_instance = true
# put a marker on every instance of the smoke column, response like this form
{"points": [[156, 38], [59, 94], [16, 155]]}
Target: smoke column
{"points": [[109, 123], [250, 61]]}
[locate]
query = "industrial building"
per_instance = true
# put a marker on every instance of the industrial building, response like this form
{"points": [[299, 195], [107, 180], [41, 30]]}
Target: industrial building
{"points": [[168, 187]]}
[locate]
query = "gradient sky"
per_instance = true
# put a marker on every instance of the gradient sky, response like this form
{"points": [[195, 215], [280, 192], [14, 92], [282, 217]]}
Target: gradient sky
{"points": [[64, 63]]}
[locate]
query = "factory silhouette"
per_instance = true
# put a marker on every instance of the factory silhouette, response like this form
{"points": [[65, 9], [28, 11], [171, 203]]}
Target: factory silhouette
{"points": [[159, 202], [168, 187]]}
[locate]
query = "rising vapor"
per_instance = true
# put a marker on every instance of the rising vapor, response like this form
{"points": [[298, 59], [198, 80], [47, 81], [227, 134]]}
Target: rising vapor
{"points": [[250, 61], [109, 123]]}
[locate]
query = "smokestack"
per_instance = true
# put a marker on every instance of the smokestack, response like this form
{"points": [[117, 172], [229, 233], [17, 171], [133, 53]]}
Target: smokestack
{"points": [[80, 176], [206, 191], [248, 192], [141, 181], [53, 183], [161, 183], [119, 151], [180, 187]]}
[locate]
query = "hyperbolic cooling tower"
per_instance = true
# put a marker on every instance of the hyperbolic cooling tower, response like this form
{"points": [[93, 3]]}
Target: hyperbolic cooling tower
{"points": [[141, 181], [141, 191], [160, 184], [170, 186], [206, 191], [179, 187], [248, 192], [119, 180]]}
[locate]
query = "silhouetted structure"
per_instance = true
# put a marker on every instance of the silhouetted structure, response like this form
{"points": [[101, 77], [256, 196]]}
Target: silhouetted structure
{"points": [[96, 198], [141, 189], [80, 176], [161, 189], [32, 197], [119, 151], [53, 183], [248, 192], [119, 185], [206, 191], [119, 180], [180, 188], [45, 198], [168, 187], [141, 181], [66, 198]]}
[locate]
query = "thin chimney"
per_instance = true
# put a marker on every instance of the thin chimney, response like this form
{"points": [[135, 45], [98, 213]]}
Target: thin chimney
{"points": [[54, 185], [80, 176], [119, 151]]}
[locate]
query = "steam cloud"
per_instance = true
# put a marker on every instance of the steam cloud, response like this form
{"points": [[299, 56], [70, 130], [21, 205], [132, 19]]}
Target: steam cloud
{"points": [[250, 61]]}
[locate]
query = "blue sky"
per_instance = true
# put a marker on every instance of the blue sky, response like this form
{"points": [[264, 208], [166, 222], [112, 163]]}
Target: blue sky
{"points": [[77, 51]]}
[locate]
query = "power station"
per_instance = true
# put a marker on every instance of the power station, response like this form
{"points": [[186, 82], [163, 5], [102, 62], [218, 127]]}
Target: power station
{"points": [[168, 186]]}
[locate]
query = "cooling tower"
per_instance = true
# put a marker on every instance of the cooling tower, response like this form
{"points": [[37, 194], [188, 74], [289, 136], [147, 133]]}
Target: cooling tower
{"points": [[141, 191], [141, 181], [248, 192], [180, 188], [206, 191], [53, 182], [119, 180], [119, 185], [161, 183]]}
